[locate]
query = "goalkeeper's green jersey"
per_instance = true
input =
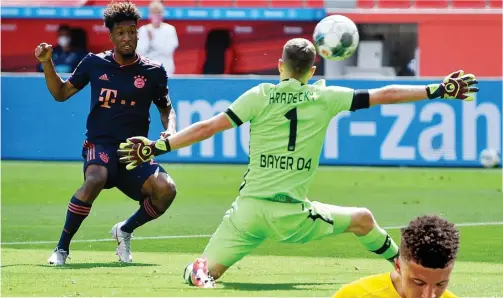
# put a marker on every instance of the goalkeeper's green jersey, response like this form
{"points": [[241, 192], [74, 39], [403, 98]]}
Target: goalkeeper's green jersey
{"points": [[288, 122]]}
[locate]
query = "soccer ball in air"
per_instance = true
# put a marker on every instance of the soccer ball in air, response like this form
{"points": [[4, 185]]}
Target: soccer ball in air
{"points": [[489, 158], [336, 37]]}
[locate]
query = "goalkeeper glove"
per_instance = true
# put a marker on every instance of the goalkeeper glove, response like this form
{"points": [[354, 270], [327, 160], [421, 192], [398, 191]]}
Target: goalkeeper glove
{"points": [[456, 85], [137, 150]]}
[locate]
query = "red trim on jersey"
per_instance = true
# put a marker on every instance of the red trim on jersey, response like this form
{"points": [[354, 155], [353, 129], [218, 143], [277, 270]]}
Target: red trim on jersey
{"points": [[138, 58]]}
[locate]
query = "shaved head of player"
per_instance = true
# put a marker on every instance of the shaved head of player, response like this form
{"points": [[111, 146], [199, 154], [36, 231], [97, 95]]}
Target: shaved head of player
{"points": [[427, 254], [297, 60]]}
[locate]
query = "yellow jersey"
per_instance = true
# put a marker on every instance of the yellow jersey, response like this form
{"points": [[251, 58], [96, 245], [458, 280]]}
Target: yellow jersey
{"points": [[378, 286]]}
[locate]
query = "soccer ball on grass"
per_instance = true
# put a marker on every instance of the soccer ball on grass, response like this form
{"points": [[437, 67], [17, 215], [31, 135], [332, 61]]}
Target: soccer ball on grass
{"points": [[489, 158], [336, 37]]}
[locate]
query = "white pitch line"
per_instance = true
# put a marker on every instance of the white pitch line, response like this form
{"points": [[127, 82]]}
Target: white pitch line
{"points": [[466, 224], [107, 239]]}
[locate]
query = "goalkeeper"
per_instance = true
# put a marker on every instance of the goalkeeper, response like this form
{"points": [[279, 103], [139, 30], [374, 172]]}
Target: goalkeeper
{"points": [[288, 123]]}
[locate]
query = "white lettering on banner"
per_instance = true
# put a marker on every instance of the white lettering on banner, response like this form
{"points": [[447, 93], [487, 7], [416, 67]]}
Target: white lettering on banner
{"points": [[197, 13], [331, 149], [46, 12], [471, 114], [100, 29], [194, 29], [446, 130], [484, 117], [292, 30], [273, 14], [235, 13], [205, 111], [84, 12], [243, 29], [51, 27], [9, 27], [8, 12], [390, 149]]}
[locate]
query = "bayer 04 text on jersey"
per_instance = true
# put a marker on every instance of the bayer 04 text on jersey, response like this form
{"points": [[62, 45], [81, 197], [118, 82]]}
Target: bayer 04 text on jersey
{"points": [[287, 163]]}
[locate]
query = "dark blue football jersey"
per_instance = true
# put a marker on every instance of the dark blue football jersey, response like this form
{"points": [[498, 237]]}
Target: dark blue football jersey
{"points": [[121, 95]]}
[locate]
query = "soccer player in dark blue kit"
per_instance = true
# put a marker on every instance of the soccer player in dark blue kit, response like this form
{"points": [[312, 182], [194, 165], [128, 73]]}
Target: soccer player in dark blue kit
{"points": [[123, 87]]}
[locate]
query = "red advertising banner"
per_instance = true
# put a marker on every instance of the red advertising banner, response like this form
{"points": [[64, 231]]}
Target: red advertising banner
{"points": [[44, 3], [448, 41], [255, 48]]}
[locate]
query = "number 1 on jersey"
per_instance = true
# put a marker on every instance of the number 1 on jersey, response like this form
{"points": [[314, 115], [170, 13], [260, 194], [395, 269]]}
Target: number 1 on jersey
{"points": [[292, 138]]}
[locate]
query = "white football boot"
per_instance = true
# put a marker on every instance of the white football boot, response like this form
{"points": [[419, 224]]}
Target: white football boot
{"points": [[58, 257], [196, 274], [123, 243]]}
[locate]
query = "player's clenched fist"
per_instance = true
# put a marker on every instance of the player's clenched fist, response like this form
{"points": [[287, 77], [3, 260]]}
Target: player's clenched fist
{"points": [[43, 52]]}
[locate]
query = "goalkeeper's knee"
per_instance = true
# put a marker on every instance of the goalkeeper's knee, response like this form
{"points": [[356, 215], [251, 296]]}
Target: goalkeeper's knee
{"points": [[362, 222]]}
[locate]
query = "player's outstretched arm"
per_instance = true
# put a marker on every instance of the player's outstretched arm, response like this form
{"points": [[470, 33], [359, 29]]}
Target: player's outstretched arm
{"points": [[199, 131], [59, 89], [456, 85], [137, 150]]}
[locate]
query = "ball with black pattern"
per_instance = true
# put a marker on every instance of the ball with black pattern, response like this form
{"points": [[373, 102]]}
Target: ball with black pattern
{"points": [[336, 37]]}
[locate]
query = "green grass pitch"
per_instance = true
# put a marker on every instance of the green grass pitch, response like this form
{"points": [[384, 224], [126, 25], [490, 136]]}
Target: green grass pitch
{"points": [[35, 196]]}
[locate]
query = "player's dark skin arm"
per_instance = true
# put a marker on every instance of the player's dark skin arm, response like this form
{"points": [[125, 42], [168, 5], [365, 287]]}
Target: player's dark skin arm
{"points": [[59, 89], [168, 118]]}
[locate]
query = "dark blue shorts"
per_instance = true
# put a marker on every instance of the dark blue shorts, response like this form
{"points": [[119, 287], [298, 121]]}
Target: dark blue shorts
{"points": [[130, 182]]}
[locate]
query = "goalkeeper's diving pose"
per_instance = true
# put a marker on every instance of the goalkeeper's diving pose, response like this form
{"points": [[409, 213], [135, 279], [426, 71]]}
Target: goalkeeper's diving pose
{"points": [[288, 123]]}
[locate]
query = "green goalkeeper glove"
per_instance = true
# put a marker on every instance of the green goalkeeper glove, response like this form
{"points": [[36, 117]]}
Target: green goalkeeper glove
{"points": [[137, 150], [456, 85]]}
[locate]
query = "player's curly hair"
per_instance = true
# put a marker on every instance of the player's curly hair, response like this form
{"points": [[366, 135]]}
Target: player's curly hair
{"points": [[119, 11], [430, 241]]}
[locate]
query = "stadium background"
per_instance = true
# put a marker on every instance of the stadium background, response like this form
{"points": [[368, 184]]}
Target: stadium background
{"points": [[440, 35], [431, 133]]}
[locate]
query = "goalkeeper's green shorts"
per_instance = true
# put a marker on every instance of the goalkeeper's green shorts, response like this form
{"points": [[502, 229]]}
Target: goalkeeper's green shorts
{"points": [[250, 221]]}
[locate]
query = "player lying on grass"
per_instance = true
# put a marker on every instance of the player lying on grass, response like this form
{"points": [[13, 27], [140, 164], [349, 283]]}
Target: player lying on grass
{"points": [[123, 87], [288, 123], [428, 250]]}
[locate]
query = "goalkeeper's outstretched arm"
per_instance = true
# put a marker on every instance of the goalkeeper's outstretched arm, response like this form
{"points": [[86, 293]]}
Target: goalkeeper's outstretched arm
{"points": [[457, 85], [392, 94], [199, 131], [137, 150]]}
